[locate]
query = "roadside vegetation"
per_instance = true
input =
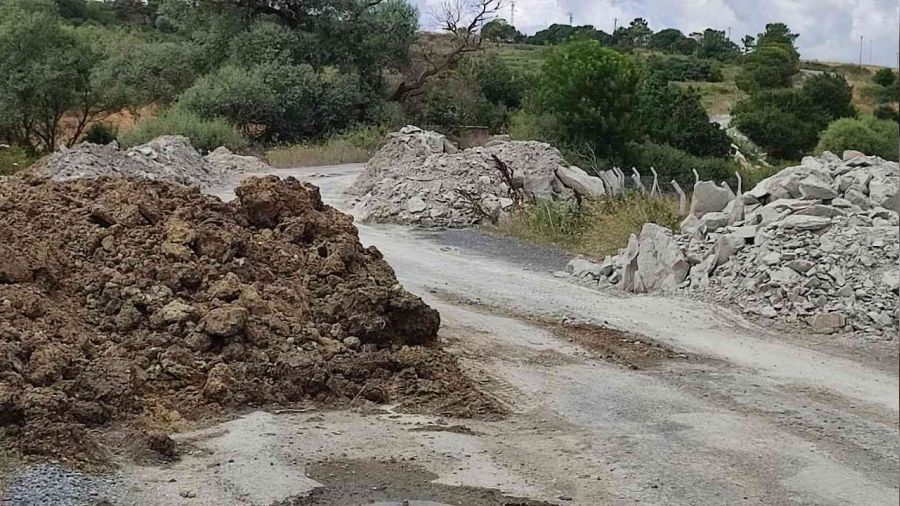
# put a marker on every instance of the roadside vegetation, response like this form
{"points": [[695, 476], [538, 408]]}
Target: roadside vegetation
{"points": [[325, 86], [594, 228]]}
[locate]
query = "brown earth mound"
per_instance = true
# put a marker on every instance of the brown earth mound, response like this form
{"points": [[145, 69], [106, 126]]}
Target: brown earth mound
{"points": [[120, 297]]}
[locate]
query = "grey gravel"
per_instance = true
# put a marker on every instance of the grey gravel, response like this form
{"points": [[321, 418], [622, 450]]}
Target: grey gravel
{"points": [[51, 485]]}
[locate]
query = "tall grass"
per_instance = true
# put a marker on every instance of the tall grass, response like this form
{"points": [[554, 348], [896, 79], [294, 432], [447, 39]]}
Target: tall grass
{"points": [[353, 146], [206, 134], [595, 228]]}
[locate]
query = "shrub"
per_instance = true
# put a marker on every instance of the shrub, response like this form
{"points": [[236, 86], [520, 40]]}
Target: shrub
{"points": [[672, 163], [684, 68], [454, 102], [591, 90], [597, 227], [101, 133], [496, 81], [277, 102], [830, 94], [354, 145], [528, 126], [884, 77], [768, 66], [206, 134], [886, 111], [784, 122], [674, 115], [13, 159], [870, 135]]}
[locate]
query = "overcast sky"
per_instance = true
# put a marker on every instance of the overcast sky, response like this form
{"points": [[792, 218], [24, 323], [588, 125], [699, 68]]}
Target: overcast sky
{"points": [[829, 29]]}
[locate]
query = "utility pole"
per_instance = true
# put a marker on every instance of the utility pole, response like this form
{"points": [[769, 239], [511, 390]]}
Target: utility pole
{"points": [[570, 19], [860, 50], [512, 13], [871, 42], [615, 24], [729, 33]]}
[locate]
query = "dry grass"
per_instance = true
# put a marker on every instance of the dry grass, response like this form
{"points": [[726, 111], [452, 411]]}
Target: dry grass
{"points": [[597, 227], [308, 155], [353, 146]]}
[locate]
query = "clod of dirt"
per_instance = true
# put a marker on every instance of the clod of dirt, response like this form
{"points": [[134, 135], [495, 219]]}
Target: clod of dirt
{"points": [[124, 298]]}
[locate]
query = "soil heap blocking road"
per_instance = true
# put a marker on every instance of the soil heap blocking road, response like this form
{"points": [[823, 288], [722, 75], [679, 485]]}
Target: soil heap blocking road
{"points": [[420, 178], [123, 298]]}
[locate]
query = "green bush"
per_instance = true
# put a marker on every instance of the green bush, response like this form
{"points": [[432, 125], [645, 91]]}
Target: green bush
{"points": [[884, 77], [101, 133], [784, 122], [673, 115], [591, 90], [13, 159], [276, 102], [830, 95], [496, 80], [768, 66], [684, 68], [870, 135], [206, 134], [454, 102], [672, 163], [886, 111]]}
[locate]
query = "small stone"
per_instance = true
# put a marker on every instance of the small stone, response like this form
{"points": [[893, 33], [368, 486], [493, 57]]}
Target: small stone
{"points": [[827, 323], [416, 205], [800, 265], [351, 342]]}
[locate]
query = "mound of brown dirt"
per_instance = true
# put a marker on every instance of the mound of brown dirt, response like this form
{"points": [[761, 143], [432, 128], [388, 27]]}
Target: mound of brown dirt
{"points": [[121, 297]]}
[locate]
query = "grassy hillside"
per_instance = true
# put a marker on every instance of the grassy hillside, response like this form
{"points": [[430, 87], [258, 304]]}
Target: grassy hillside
{"points": [[717, 98]]}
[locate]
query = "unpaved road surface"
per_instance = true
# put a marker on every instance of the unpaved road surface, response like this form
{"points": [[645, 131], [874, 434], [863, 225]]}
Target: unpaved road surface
{"points": [[730, 413]]}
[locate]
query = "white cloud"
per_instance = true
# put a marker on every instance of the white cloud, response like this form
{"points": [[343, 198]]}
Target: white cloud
{"points": [[829, 29]]}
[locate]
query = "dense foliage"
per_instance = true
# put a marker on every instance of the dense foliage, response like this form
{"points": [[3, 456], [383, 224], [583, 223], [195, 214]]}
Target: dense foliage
{"points": [[592, 92], [870, 135], [673, 115], [684, 68]]}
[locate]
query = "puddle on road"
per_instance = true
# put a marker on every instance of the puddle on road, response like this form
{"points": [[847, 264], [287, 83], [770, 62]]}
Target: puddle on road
{"points": [[392, 483]]}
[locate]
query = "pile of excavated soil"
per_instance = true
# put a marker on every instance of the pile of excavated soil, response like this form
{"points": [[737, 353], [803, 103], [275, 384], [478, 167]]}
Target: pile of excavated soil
{"points": [[419, 177], [123, 299], [166, 158]]}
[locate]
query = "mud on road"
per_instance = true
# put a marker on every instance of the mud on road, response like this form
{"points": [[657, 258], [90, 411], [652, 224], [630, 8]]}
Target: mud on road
{"points": [[721, 412]]}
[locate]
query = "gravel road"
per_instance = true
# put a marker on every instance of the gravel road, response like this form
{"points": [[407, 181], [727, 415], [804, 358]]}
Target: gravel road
{"points": [[737, 415]]}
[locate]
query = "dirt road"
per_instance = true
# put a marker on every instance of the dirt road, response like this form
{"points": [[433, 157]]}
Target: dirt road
{"points": [[728, 413]]}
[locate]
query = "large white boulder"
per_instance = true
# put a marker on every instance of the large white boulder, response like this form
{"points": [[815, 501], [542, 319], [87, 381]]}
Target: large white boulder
{"points": [[708, 197], [660, 263], [580, 181]]}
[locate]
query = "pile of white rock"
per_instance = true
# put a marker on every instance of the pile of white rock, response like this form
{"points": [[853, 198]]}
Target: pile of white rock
{"points": [[169, 158], [815, 244], [419, 177]]}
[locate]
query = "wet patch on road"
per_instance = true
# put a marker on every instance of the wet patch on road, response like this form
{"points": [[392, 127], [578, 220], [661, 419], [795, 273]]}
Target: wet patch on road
{"points": [[364, 481]]}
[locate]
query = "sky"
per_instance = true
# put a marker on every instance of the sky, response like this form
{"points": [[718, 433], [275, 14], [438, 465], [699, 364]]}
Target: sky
{"points": [[829, 29]]}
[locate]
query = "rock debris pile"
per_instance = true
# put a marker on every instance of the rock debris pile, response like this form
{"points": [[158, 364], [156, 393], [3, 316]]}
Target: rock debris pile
{"points": [[814, 244], [123, 298], [167, 158], [419, 177]]}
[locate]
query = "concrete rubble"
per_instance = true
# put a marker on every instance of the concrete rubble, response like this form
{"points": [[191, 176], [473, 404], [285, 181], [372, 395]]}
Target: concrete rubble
{"points": [[419, 177], [167, 158], [816, 244]]}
